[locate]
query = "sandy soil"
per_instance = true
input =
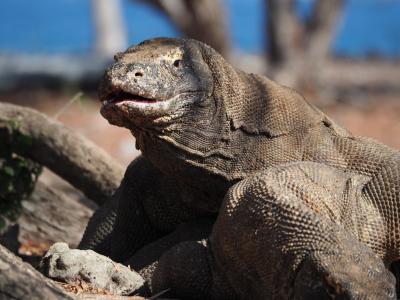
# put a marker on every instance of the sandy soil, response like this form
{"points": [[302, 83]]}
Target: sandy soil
{"points": [[379, 119]]}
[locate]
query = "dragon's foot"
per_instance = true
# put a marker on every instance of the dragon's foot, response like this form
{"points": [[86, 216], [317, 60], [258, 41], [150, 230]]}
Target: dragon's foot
{"points": [[73, 265]]}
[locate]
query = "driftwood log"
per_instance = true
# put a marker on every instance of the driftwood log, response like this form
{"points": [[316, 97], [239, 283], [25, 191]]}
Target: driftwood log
{"points": [[51, 215], [19, 280], [48, 216], [66, 153]]}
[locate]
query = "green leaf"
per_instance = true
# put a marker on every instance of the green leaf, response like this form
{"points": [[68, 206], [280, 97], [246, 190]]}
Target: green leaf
{"points": [[9, 171], [18, 175], [14, 124]]}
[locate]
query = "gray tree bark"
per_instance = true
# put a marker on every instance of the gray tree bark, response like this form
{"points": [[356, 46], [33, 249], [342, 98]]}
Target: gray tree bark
{"points": [[66, 153], [297, 51], [110, 28], [50, 216], [19, 280], [321, 28], [204, 20], [283, 29]]}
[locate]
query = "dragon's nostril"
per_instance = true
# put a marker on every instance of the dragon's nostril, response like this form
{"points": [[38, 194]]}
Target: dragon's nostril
{"points": [[138, 74]]}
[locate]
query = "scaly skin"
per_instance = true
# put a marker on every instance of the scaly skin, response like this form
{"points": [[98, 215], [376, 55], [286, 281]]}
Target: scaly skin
{"points": [[299, 207]]}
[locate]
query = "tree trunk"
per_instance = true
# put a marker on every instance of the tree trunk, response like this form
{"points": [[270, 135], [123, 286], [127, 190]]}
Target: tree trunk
{"points": [[49, 216], [296, 51], [283, 30], [204, 20], [321, 28], [19, 280], [110, 28], [66, 153], [321, 31]]}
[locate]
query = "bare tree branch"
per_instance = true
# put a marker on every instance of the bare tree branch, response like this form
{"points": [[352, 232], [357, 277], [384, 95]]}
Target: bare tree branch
{"points": [[110, 28], [283, 30], [19, 280], [321, 28], [204, 20], [66, 153], [297, 50], [51, 216]]}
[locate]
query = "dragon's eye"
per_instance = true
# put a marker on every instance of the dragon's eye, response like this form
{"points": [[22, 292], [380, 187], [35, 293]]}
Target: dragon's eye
{"points": [[177, 63]]}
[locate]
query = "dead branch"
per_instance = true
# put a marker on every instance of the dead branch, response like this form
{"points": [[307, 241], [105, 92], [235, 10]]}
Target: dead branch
{"points": [[19, 280], [299, 50], [50, 216], [283, 29], [321, 28], [66, 153], [204, 20], [110, 31]]}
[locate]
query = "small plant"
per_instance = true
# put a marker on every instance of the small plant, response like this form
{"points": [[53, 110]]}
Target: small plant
{"points": [[18, 174]]}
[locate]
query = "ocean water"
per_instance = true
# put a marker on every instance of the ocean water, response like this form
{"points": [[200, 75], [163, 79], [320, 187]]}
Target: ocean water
{"points": [[367, 27]]}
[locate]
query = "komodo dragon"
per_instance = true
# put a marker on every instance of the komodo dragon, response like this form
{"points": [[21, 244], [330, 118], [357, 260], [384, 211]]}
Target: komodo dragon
{"points": [[244, 190]]}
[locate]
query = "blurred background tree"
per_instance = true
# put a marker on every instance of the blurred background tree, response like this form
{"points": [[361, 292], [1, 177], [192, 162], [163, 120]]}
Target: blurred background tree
{"points": [[203, 20], [110, 27], [292, 41], [299, 49]]}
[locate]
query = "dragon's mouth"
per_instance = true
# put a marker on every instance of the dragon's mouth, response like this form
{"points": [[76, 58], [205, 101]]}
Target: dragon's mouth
{"points": [[121, 96]]}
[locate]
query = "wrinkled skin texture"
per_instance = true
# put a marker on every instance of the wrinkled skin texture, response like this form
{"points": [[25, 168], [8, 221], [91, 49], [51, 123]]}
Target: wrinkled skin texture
{"points": [[244, 190]]}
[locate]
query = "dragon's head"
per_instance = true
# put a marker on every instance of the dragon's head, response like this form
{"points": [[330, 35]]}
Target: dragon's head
{"points": [[152, 85]]}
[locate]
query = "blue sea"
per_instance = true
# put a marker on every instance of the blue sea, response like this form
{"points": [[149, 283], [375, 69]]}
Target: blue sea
{"points": [[367, 27]]}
